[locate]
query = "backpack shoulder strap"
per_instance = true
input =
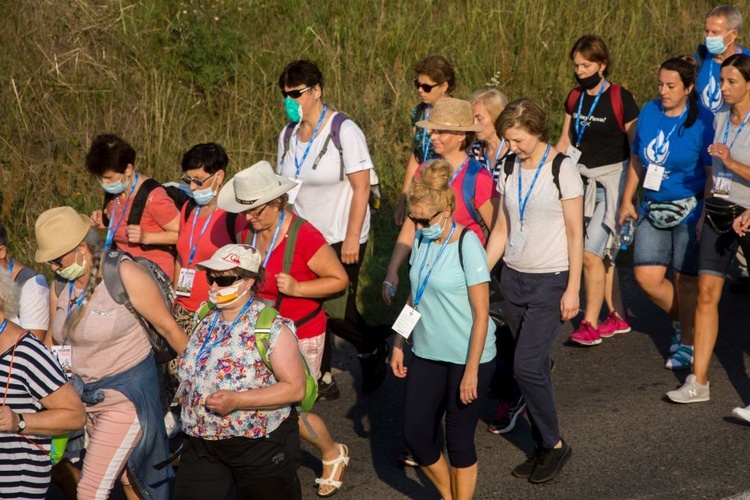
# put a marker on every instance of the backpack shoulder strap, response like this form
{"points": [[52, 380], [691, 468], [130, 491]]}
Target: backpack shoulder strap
{"points": [[139, 200], [190, 205], [508, 164], [263, 333], [335, 137], [231, 223], [291, 243], [288, 130], [556, 164], [615, 92], [468, 190], [25, 275], [113, 280], [573, 97], [59, 284], [461, 246]]}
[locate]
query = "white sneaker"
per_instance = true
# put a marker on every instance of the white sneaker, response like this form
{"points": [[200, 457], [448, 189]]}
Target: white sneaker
{"points": [[690, 392], [742, 413]]}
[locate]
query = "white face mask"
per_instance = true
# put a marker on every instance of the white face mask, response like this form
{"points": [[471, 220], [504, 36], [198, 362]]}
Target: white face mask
{"points": [[226, 296]]}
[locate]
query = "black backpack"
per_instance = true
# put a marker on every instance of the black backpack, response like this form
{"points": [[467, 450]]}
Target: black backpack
{"points": [[510, 161]]}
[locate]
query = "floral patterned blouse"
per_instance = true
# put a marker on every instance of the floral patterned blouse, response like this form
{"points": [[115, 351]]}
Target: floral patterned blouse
{"points": [[226, 361]]}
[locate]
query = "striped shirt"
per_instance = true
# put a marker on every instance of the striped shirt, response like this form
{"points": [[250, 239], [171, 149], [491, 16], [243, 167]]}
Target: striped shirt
{"points": [[24, 468]]}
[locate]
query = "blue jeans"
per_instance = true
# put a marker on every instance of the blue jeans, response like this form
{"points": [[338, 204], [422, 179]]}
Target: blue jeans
{"points": [[677, 246]]}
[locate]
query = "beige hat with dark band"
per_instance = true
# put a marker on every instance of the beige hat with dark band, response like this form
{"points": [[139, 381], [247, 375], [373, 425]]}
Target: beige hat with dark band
{"points": [[58, 231], [253, 187], [451, 114]]}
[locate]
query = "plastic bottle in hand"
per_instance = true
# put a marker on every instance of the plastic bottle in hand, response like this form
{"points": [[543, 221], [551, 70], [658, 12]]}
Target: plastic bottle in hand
{"points": [[627, 233]]}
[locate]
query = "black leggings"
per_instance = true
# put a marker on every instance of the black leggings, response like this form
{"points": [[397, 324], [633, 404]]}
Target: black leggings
{"points": [[432, 389]]}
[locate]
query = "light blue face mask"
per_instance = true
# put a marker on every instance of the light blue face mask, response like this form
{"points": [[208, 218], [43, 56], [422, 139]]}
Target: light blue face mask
{"points": [[715, 44], [204, 196], [116, 187], [433, 232], [293, 110]]}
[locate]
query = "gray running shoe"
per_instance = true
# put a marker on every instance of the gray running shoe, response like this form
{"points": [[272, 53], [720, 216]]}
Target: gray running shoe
{"points": [[690, 392]]}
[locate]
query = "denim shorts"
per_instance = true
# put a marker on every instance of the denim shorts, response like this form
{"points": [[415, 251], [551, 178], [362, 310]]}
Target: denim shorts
{"points": [[597, 232], [677, 246]]}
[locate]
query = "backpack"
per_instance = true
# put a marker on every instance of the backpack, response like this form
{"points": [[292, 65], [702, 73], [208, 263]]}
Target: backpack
{"points": [[510, 161], [162, 351], [468, 193], [335, 136], [25, 275], [230, 220], [262, 336], [615, 92]]}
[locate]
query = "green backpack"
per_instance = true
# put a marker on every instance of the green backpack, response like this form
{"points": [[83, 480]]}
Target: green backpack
{"points": [[262, 341]]}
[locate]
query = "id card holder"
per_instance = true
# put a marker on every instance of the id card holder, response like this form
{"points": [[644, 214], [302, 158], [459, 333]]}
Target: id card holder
{"points": [[406, 321], [654, 176], [573, 153], [292, 193], [185, 282], [180, 393], [64, 356], [518, 239], [723, 185]]}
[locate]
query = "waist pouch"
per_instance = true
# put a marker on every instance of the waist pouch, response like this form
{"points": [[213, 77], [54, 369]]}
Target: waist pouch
{"points": [[720, 214], [667, 214]]}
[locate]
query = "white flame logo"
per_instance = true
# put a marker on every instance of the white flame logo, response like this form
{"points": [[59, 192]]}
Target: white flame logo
{"points": [[657, 150], [711, 95]]}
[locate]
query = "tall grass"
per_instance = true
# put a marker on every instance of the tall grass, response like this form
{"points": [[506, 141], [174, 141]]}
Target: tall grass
{"points": [[166, 75]]}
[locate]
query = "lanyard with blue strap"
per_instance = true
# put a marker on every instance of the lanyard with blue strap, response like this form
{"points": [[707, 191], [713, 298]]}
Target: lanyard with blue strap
{"points": [[660, 148], [522, 204], [460, 169], [426, 135], [739, 130], [112, 228], [581, 125], [497, 155], [273, 240], [194, 248], [206, 348], [423, 281], [78, 301], [10, 268], [298, 163]]}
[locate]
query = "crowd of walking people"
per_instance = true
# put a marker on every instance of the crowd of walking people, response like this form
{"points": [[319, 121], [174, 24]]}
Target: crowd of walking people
{"points": [[208, 306]]}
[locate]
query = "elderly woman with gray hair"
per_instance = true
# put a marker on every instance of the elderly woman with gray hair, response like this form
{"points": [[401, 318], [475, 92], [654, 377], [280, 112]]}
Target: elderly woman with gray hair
{"points": [[37, 403]]}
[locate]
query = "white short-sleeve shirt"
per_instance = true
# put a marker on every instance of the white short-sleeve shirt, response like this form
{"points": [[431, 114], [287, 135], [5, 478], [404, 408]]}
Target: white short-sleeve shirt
{"points": [[34, 304], [324, 198]]}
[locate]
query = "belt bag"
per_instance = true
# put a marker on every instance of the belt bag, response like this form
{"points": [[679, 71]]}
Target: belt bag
{"points": [[720, 214], [667, 214]]}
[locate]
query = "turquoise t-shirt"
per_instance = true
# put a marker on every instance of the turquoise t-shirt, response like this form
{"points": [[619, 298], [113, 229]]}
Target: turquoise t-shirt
{"points": [[444, 330]]}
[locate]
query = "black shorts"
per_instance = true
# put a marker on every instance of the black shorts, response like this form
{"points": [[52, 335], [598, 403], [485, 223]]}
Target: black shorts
{"points": [[717, 250]]}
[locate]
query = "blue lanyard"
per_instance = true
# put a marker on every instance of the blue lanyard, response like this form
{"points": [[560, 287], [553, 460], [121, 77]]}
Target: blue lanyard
{"points": [[739, 130], [3, 325], [581, 127], [660, 148], [273, 240], [426, 135], [114, 225], [497, 155], [206, 348], [466, 162], [423, 281], [79, 301], [10, 271], [299, 163], [522, 205], [194, 248]]}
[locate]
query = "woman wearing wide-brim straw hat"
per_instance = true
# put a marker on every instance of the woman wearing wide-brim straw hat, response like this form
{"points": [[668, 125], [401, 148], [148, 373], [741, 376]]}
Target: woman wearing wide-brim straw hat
{"points": [[314, 273], [112, 355], [452, 129]]}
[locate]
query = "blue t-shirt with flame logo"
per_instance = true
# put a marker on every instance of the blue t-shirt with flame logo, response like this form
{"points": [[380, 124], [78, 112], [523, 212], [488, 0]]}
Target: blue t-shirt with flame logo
{"points": [[708, 85]]}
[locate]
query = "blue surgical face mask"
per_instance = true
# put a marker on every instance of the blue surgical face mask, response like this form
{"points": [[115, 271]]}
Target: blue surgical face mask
{"points": [[204, 196], [293, 110], [116, 187], [715, 44], [434, 231]]}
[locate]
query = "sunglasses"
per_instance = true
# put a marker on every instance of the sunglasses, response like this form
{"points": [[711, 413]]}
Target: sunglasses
{"points": [[423, 222], [198, 182], [295, 94], [222, 281], [255, 212], [426, 87], [57, 261]]}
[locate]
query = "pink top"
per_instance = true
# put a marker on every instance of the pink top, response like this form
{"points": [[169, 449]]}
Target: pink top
{"points": [[108, 339], [160, 210]]}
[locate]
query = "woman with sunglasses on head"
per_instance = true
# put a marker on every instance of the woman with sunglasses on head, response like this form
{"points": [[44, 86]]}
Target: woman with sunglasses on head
{"points": [[112, 161], [598, 128], [436, 78], [539, 235], [670, 160], [237, 409], [37, 403], [488, 149], [301, 269], [111, 356], [453, 339], [730, 196], [333, 195]]}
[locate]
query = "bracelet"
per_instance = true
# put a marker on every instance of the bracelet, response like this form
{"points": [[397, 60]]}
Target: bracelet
{"points": [[388, 283]]}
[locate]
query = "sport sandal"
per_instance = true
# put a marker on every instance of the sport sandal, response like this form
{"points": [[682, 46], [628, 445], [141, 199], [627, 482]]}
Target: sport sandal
{"points": [[343, 460]]}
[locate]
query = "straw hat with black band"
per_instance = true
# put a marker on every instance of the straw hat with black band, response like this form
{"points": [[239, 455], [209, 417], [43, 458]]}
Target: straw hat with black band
{"points": [[253, 187], [451, 114], [58, 231]]}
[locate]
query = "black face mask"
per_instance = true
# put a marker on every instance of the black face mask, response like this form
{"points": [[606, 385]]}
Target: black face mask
{"points": [[589, 82]]}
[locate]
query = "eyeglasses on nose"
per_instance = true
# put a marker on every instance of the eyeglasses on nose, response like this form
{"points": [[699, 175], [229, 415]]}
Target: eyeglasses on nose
{"points": [[198, 182]]}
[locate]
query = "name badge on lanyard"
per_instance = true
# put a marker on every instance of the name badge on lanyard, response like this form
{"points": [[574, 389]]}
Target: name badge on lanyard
{"points": [[654, 176], [64, 356], [723, 185], [185, 282], [406, 321]]}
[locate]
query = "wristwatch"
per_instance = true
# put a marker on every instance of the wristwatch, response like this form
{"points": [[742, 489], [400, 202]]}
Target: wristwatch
{"points": [[21, 423]]}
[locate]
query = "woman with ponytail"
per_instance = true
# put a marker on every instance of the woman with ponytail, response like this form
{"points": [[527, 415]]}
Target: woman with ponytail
{"points": [[453, 341], [111, 358], [670, 159]]}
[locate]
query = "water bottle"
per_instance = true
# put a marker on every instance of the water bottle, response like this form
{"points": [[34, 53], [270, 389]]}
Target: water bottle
{"points": [[627, 233]]}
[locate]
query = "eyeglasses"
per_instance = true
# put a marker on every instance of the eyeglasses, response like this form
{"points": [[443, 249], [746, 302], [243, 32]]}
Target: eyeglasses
{"points": [[198, 182], [295, 94], [426, 87], [57, 261], [222, 281], [423, 222], [255, 212]]}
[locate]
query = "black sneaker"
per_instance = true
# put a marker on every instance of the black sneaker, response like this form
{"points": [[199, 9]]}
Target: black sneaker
{"points": [[550, 462], [525, 469], [374, 368], [328, 392]]}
